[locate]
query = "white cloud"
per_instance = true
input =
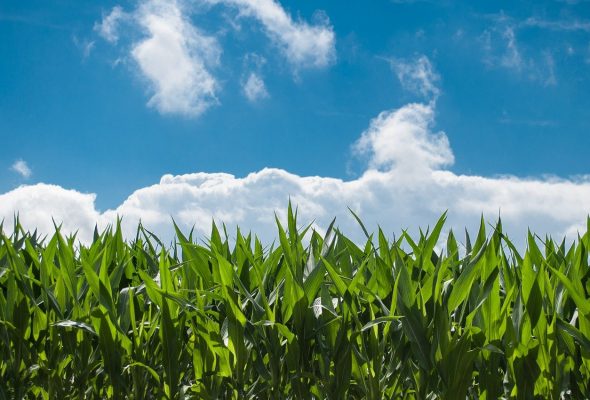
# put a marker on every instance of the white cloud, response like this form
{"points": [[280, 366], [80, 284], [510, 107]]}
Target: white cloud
{"points": [[557, 25], [551, 79], [539, 123], [511, 57], [304, 45], [22, 168], [411, 190], [87, 49], [417, 76], [175, 58], [38, 205], [500, 44], [85, 46], [254, 88], [502, 49], [407, 185], [401, 141], [108, 28]]}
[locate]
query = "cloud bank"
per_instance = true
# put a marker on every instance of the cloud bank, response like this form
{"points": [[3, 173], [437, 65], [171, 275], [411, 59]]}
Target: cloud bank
{"points": [[405, 186]]}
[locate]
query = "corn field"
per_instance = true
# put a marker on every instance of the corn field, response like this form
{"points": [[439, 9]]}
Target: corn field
{"points": [[308, 317]]}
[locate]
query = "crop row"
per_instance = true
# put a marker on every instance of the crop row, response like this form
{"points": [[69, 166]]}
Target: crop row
{"points": [[309, 317]]}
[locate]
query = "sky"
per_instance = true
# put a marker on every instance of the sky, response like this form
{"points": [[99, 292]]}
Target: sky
{"points": [[225, 109]]}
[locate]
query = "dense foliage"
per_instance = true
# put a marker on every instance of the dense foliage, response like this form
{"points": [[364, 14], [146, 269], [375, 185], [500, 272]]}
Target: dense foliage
{"points": [[318, 317]]}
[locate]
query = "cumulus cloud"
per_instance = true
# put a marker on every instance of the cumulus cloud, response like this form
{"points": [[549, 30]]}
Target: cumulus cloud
{"points": [[39, 205], [402, 141], [254, 88], [22, 168], [411, 188], [407, 184], [175, 58], [304, 45], [417, 76], [108, 28], [172, 55]]}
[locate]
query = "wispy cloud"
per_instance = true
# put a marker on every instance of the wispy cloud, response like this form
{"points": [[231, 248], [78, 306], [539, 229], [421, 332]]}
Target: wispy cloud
{"points": [[511, 57], [108, 28], [550, 78], [22, 168], [415, 1], [528, 122], [500, 45], [254, 88], [417, 75], [557, 25], [573, 2], [502, 49], [85, 46]]}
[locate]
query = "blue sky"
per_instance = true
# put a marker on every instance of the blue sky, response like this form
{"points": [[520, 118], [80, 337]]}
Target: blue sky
{"points": [[88, 103]]}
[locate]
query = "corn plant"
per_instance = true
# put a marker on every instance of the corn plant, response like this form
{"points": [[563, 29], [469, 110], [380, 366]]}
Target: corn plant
{"points": [[307, 317]]}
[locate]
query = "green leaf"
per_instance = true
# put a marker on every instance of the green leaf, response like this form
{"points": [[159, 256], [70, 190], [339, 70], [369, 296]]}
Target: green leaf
{"points": [[341, 287], [380, 320], [75, 324], [462, 286], [578, 298], [578, 336], [171, 351]]}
